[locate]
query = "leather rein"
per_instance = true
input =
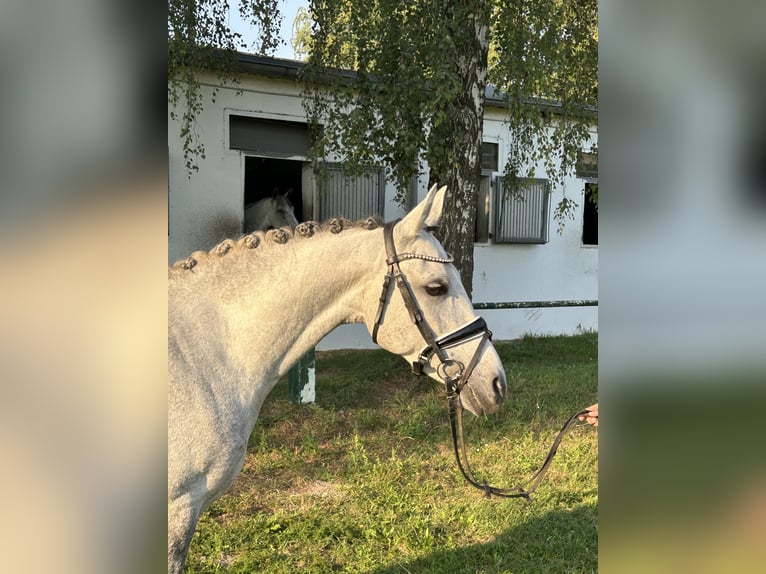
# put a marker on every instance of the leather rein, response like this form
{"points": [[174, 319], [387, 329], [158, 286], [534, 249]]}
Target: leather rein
{"points": [[454, 374]]}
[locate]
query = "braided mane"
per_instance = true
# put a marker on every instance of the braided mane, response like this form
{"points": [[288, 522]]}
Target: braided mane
{"points": [[259, 240]]}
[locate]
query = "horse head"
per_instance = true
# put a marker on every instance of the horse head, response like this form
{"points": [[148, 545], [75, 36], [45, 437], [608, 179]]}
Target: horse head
{"points": [[428, 284], [271, 213], [283, 209]]}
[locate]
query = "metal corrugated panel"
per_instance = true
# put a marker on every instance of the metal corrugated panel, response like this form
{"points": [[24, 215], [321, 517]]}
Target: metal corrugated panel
{"points": [[352, 197], [523, 217]]}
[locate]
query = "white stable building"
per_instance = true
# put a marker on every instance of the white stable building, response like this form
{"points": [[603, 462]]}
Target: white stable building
{"points": [[528, 277]]}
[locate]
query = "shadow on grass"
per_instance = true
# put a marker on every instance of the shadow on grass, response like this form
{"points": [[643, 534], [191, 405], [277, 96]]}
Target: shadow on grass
{"points": [[372, 395], [556, 542]]}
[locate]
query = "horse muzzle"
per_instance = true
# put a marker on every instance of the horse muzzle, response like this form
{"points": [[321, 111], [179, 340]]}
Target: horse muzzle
{"points": [[479, 397]]}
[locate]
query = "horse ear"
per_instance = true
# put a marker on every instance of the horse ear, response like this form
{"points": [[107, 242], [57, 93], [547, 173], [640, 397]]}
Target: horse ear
{"points": [[275, 193], [427, 213], [288, 192]]}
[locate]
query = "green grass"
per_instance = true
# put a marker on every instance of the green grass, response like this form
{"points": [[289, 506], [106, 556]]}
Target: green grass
{"points": [[365, 480]]}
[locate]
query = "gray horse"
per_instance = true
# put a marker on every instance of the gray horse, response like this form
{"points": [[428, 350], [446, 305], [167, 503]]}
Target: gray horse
{"points": [[270, 213], [241, 315]]}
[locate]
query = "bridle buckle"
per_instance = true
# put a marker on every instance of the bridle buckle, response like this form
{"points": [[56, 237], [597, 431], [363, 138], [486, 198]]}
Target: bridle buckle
{"points": [[451, 379]]}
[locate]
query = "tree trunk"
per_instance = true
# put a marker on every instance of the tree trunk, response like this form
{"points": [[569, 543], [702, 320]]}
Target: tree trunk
{"points": [[457, 161]]}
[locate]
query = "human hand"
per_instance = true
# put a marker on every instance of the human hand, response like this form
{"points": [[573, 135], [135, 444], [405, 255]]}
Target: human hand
{"points": [[591, 417]]}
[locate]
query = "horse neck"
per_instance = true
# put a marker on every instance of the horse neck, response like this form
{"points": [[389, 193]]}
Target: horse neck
{"points": [[257, 214], [281, 302]]}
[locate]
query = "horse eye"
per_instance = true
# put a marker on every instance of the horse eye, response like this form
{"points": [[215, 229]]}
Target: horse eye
{"points": [[436, 289]]}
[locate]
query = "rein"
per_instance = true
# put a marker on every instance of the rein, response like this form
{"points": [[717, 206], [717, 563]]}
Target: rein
{"points": [[454, 374]]}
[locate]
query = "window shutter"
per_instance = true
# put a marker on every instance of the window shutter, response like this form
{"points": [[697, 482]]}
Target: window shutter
{"points": [[522, 217], [351, 196]]}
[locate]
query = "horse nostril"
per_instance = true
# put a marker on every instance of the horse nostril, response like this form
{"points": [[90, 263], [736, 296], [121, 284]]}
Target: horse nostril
{"points": [[499, 385]]}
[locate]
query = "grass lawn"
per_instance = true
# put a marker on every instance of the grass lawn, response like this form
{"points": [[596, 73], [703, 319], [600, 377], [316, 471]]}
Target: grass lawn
{"points": [[365, 480]]}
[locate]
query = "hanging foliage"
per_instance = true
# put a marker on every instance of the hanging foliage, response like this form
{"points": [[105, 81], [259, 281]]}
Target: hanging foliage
{"points": [[418, 93], [544, 61], [199, 39]]}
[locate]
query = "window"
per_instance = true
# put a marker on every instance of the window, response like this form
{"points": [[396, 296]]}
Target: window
{"points": [[522, 217], [590, 215], [489, 156], [351, 196], [587, 165]]}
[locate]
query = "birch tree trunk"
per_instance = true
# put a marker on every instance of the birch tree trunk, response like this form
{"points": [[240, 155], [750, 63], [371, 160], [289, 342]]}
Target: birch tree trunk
{"points": [[456, 160]]}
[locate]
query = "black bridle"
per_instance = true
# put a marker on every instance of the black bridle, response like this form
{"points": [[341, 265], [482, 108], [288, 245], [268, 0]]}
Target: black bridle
{"points": [[434, 345], [454, 374]]}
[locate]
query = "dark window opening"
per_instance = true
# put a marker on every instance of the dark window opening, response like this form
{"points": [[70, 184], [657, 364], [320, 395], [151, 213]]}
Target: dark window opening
{"points": [[263, 175], [590, 215]]}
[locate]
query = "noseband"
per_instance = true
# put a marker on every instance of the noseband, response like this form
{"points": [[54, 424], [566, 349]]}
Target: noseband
{"points": [[454, 374]]}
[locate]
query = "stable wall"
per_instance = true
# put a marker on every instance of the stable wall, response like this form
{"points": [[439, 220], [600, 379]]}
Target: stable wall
{"points": [[208, 207]]}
